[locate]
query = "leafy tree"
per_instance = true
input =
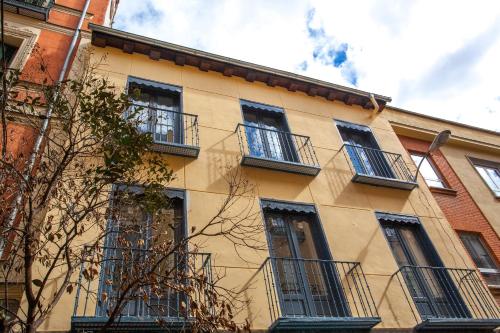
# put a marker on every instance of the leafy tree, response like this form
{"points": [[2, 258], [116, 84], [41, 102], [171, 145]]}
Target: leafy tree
{"points": [[64, 220]]}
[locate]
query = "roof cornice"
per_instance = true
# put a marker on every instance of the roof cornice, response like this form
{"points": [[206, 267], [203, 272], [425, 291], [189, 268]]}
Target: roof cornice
{"points": [[104, 36]]}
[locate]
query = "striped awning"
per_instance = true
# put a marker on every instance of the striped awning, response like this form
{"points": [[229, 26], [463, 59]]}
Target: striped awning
{"points": [[396, 218], [345, 124], [153, 84], [260, 107], [173, 194], [170, 193], [287, 207]]}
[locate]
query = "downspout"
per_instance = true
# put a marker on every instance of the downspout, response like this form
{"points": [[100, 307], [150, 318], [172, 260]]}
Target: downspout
{"points": [[376, 107], [45, 125]]}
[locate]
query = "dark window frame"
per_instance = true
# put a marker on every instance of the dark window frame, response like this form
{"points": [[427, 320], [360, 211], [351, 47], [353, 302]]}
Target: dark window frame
{"points": [[284, 137], [321, 246], [109, 241], [433, 257], [155, 88], [485, 271]]}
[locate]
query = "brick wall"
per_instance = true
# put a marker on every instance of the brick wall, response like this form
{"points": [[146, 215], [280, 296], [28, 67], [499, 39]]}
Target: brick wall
{"points": [[460, 209]]}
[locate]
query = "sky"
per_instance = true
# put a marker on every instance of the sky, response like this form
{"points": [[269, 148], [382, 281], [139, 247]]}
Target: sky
{"points": [[440, 58]]}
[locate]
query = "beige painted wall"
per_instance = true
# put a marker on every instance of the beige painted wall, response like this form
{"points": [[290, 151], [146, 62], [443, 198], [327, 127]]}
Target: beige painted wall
{"points": [[346, 210]]}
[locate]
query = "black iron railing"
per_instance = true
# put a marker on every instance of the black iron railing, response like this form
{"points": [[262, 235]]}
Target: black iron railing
{"points": [[447, 294], [276, 146], [167, 300], [300, 288], [366, 163], [168, 128]]}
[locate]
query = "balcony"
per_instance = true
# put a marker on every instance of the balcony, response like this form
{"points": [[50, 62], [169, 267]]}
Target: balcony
{"points": [[448, 299], [277, 150], [165, 309], [312, 295], [173, 132], [38, 9], [378, 167]]}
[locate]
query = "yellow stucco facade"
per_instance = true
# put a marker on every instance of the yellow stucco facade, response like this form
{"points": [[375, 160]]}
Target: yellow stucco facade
{"points": [[346, 210]]}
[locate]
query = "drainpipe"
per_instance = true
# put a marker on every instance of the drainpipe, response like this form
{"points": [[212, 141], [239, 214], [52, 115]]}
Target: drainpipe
{"points": [[376, 107], [43, 130]]}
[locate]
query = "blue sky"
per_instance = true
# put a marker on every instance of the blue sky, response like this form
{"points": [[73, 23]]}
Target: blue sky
{"points": [[440, 58]]}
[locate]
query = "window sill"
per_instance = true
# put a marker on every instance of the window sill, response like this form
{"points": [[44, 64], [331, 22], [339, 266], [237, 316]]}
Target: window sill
{"points": [[446, 191]]}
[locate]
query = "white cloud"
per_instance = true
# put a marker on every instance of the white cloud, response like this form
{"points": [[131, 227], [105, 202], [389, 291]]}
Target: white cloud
{"points": [[433, 57]]}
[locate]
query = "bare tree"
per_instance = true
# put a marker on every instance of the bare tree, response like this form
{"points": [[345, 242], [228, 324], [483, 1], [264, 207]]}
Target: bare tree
{"points": [[93, 152]]}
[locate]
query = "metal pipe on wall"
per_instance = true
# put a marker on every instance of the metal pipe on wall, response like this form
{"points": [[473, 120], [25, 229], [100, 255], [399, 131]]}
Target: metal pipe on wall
{"points": [[45, 125]]}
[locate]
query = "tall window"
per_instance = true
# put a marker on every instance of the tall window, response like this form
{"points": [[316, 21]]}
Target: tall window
{"points": [[160, 110], [307, 284], [428, 171], [363, 150], [481, 257], [132, 233], [267, 132], [431, 288], [490, 172]]}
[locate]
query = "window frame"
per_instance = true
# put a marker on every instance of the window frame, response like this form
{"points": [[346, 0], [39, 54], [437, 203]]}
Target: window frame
{"points": [[478, 237], [477, 162], [24, 41], [175, 91], [290, 153], [437, 172]]}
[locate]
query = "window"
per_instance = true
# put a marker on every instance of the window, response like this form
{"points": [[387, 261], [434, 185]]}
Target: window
{"points": [[132, 232], [481, 257], [430, 286], [490, 172], [428, 171], [306, 283], [158, 110], [363, 150], [10, 52], [267, 132]]}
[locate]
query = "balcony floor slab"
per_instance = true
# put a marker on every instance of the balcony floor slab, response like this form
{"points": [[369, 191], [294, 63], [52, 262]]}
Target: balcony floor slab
{"points": [[459, 325], [279, 165], [385, 182], [328, 324]]}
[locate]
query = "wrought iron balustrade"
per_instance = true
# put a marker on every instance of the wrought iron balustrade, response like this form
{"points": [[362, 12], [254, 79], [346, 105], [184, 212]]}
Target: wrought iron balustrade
{"points": [[278, 150], [448, 298], [34, 8], [173, 132], [316, 294], [166, 301], [378, 167]]}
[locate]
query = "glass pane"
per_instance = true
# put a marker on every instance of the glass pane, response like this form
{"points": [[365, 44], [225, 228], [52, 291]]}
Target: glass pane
{"points": [[140, 109], [427, 171], [491, 176], [477, 251]]}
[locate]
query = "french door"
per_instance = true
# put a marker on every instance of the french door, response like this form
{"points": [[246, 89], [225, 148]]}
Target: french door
{"points": [[268, 136], [430, 286], [132, 232], [365, 154], [307, 282], [160, 115]]}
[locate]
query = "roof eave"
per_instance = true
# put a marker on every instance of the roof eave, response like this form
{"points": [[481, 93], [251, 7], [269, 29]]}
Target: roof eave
{"points": [[103, 36]]}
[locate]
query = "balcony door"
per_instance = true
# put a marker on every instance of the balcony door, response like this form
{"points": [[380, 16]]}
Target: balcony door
{"points": [[363, 150], [268, 135], [430, 285], [306, 279], [160, 113], [132, 232]]}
